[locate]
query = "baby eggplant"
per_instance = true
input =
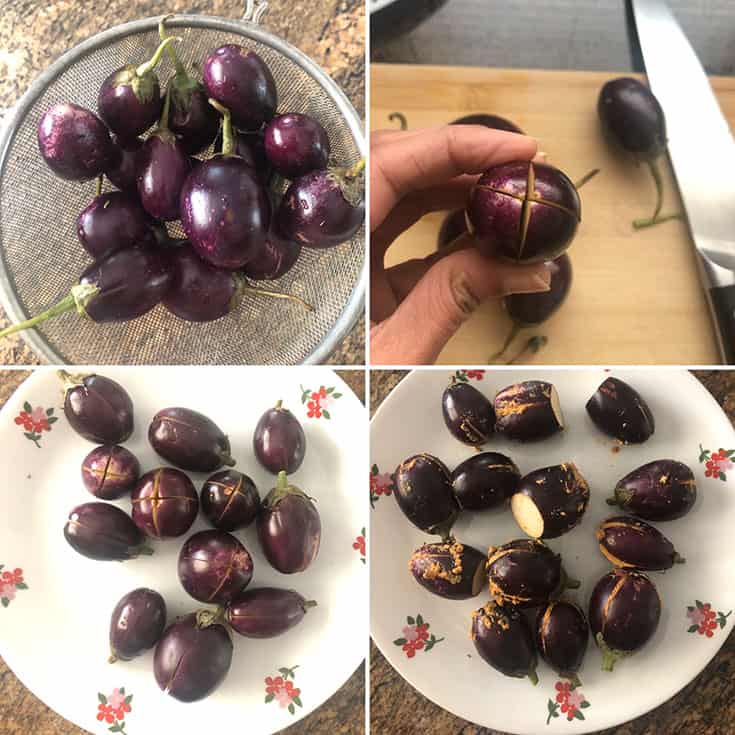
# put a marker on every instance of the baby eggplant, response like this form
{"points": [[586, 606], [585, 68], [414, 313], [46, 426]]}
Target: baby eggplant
{"points": [[279, 441], [193, 657], [449, 569], [103, 532], [250, 146], [662, 490], [528, 411], [452, 227], [630, 543], [189, 439], [484, 481], [619, 411], [276, 258], [289, 528], [97, 408], [123, 170], [468, 415], [296, 144], [550, 501], [525, 573], [489, 121], [137, 624], [165, 503], [423, 491], [562, 634], [230, 500], [110, 471], [266, 612], [214, 567], [624, 612], [503, 638], [524, 212], [74, 142]]}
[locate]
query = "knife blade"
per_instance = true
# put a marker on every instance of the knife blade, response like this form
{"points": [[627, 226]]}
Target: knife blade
{"points": [[702, 153]]}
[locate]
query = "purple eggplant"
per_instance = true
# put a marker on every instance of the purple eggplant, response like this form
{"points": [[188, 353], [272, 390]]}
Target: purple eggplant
{"points": [[289, 528], [550, 501], [136, 624], [630, 543], [165, 503], [279, 441], [214, 567], [453, 225], [449, 569], [250, 146], [241, 81], [503, 638], [624, 612], [74, 142], [123, 170], [230, 500], [489, 121], [296, 144], [266, 612], [423, 491], [103, 532], [524, 212], [110, 471], [486, 480], [97, 408], [528, 411], [662, 490], [467, 413], [618, 410], [193, 657], [189, 439], [275, 259], [562, 635]]}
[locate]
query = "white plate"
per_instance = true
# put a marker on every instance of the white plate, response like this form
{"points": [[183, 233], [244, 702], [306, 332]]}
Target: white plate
{"points": [[450, 672], [54, 633]]}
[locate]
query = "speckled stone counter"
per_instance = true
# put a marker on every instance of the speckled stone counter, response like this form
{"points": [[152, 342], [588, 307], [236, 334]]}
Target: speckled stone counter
{"points": [[22, 713], [35, 33], [705, 707]]}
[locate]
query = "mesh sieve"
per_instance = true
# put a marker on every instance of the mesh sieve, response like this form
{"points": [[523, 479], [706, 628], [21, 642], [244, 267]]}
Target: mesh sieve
{"points": [[41, 257]]}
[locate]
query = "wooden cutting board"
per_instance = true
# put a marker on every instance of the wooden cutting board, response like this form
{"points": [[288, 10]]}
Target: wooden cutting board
{"points": [[635, 297]]}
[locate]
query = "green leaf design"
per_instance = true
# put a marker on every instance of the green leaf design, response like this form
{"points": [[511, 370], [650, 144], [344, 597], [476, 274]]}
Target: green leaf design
{"points": [[330, 390], [362, 531], [49, 411], [269, 698], [52, 420], [419, 620], [21, 586], [5, 601], [729, 452], [692, 628], [723, 477], [122, 690], [552, 707], [362, 559], [326, 414], [400, 642], [374, 470], [284, 671], [291, 708], [102, 698], [703, 454], [2, 566], [336, 396], [129, 698], [578, 714], [297, 700], [29, 435], [584, 704], [27, 407], [699, 604], [410, 620], [690, 608]]}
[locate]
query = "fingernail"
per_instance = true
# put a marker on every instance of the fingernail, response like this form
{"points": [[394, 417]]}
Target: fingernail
{"points": [[525, 281]]}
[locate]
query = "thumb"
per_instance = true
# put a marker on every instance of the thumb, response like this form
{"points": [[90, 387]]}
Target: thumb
{"points": [[444, 297]]}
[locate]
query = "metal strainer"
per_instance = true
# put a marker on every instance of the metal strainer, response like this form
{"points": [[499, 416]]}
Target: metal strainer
{"points": [[41, 257]]}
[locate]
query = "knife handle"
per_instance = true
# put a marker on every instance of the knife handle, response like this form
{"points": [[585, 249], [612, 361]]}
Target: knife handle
{"points": [[722, 299]]}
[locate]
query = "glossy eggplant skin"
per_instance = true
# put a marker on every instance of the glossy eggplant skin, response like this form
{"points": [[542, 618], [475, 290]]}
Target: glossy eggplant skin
{"points": [[452, 227], [97, 408], [164, 166], [110, 471], [467, 413], [562, 635], [618, 410], [192, 119], [279, 441], [630, 543], [191, 659], [230, 500], [529, 309], [266, 612], [489, 121], [449, 569], [136, 624], [189, 439], [423, 491], [528, 411], [129, 113], [103, 532], [662, 490], [486, 480], [122, 171], [296, 144], [503, 638], [624, 612], [276, 258], [165, 503]]}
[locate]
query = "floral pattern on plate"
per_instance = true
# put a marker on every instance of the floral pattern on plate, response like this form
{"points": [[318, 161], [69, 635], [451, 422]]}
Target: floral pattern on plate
{"points": [[359, 545], [10, 582], [281, 689], [716, 464], [416, 637], [113, 708], [569, 700], [380, 484], [35, 421], [318, 401], [704, 620]]}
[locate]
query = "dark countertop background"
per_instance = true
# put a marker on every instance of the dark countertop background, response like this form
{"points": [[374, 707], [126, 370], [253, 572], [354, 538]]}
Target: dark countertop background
{"points": [[21, 712], [706, 706], [35, 33]]}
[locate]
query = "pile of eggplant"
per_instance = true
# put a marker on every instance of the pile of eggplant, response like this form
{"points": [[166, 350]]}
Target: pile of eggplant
{"points": [[211, 154], [525, 574], [193, 654]]}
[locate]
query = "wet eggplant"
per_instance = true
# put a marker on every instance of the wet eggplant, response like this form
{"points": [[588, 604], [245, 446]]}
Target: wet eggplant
{"points": [[467, 413], [550, 501], [296, 144], [449, 569], [562, 635], [503, 638], [136, 624], [624, 613], [110, 471], [618, 410], [266, 612], [528, 411], [230, 500], [165, 503], [630, 543], [484, 481], [279, 441], [423, 491], [662, 490]]}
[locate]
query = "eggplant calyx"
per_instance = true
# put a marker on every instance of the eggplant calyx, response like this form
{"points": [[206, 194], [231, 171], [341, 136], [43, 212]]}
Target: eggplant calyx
{"points": [[282, 490], [206, 617], [444, 528], [113, 656], [69, 380], [612, 501], [532, 676], [574, 680], [350, 181], [144, 550], [308, 603], [227, 459], [83, 293], [678, 559], [610, 656]]}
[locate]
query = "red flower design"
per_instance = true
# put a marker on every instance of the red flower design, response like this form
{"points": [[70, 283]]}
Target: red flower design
{"points": [[563, 688], [14, 577], [476, 374], [314, 409], [359, 545]]}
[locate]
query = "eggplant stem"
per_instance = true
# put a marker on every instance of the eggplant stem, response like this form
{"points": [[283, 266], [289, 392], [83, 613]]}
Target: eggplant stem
{"points": [[113, 658], [308, 604], [401, 118], [278, 295], [532, 676], [639, 224], [591, 175], [228, 138], [98, 190], [533, 345], [282, 480], [679, 559], [515, 330], [574, 680], [163, 35], [653, 168], [153, 62], [611, 501], [163, 122], [352, 172], [609, 655], [279, 404], [146, 551]]}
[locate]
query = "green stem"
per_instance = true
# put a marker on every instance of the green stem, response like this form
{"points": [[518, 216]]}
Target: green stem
{"points": [[278, 405], [533, 345], [282, 480], [68, 303], [308, 604], [352, 172], [153, 62], [653, 168], [277, 295], [508, 341], [228, 139], [679, 559], [591, 175], [98, 190], [533, 677], [639, 224], [163, 122], [609, 655], [401, 119], [163, 35]]}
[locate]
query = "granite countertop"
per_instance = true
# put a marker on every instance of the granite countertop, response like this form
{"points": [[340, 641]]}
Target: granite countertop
{"points": [[21, 712], [33, 34], [706, 706]]}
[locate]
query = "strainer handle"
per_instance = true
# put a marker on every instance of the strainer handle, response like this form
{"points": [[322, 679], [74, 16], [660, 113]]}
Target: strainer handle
{"points": [[254, 11]]}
